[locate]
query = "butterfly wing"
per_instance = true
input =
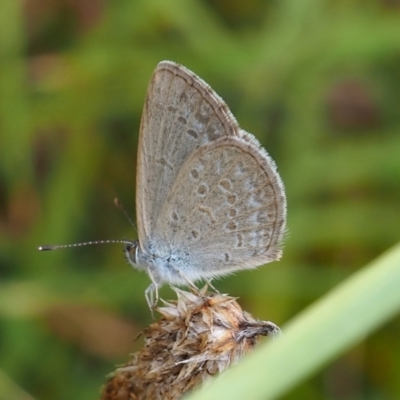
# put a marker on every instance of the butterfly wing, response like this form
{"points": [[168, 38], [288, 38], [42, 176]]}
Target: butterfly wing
{"points": [[181, 113], [225, 211]]}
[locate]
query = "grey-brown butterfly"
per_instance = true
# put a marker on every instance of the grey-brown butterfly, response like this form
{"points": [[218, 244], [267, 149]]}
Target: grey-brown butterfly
{"points": [[209, 198]]}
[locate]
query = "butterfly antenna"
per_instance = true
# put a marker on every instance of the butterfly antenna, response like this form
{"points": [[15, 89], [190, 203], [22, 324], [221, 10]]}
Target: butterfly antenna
{"points": [[121, 207], [67, 246]]}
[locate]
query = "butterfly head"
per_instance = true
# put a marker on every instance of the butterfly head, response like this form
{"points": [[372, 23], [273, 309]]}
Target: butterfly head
{"points": [[131, 253]]}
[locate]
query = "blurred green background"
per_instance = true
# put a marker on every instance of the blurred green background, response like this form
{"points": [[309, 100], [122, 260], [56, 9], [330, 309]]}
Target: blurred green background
{"points": [[318, 82]]}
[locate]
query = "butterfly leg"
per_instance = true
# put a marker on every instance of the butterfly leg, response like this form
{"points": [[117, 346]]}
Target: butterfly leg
{"points": [[212, 286], [191, 285], [151, 292]]}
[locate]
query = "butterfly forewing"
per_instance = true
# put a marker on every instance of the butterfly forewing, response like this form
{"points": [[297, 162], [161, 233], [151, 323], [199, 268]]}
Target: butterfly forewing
{"points": [[181, 113]]}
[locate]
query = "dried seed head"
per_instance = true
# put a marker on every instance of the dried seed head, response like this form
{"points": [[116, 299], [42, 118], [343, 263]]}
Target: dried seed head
{"points": [[198, 336]]}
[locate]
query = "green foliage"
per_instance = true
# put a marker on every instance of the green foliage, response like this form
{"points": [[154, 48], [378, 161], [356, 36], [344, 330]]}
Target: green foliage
{"points": [[317, 82]]}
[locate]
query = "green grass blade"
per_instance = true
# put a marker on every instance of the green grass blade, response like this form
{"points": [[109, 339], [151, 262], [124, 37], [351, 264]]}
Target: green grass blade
{"points": [[342, 318], [10, 390]]}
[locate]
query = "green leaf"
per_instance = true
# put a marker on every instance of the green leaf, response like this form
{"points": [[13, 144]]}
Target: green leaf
{"points": [[342, 318]]}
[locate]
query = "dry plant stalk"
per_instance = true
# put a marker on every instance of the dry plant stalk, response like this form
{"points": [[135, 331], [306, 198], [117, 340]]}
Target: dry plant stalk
{"points": [[198, 336]]}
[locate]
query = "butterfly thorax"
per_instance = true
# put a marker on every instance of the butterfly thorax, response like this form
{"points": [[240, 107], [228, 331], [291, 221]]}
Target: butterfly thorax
{"points": [[161, 269]]}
